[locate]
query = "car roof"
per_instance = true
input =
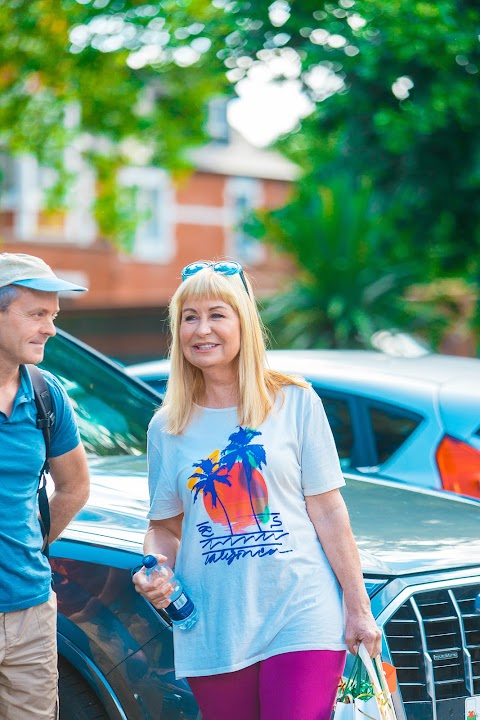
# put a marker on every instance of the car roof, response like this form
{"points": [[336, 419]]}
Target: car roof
{"points": [[150, 368], [429, 368], [449, 385], [431, 383]]}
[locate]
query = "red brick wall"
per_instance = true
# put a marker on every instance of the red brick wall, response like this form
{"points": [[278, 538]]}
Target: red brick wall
{"points": [[122, 312]]}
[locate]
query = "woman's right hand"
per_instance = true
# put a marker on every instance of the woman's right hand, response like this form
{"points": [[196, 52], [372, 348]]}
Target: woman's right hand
{"points": [[156, 588]]}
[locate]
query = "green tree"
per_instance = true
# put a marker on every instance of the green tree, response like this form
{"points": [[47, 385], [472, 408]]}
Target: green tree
{"points": [[395, 86], [109, 77]]}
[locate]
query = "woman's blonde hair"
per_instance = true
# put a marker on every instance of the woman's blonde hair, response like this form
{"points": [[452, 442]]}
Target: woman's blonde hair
{"points": [[259, 384]]}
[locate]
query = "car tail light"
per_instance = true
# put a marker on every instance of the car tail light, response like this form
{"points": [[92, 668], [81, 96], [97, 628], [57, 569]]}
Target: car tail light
{"points": [[459, 466]]}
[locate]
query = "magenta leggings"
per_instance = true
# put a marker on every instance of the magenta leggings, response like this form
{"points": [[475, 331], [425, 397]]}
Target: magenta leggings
{"points": [[293, 686]]}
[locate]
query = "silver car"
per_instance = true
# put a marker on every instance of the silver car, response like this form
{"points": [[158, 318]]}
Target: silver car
{"points": [[411, 419]]}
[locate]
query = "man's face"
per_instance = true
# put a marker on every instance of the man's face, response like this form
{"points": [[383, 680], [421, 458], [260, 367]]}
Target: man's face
{"points": [[26, 326]]}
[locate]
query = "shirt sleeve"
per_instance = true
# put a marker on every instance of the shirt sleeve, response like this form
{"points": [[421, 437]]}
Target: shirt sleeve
{"points": [[320, 464], [65, 435], [164, 499]]}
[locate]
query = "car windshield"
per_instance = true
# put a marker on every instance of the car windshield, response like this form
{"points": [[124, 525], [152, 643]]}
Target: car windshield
{"points": [[113, 411]]}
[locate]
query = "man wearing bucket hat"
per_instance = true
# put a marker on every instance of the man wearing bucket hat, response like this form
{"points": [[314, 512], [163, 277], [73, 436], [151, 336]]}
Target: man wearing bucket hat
{"points": [[28, 657]]}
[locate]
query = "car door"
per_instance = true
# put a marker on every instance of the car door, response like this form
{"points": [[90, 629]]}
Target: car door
{"points": [[352, 435], [368, 433]]}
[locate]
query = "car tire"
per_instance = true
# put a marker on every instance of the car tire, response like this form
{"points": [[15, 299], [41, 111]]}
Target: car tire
{"points": [[77, 700]]}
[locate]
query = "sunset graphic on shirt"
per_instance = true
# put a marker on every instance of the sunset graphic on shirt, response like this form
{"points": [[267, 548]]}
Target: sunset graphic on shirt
{"points": [[231, 484], [234, 493]]}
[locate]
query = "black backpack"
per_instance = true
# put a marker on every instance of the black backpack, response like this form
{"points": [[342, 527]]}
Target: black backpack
{"points": [[45, 422]]}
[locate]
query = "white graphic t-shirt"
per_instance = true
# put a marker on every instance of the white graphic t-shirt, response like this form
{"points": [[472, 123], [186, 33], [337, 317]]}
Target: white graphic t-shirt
{"points": [[249, 556]]}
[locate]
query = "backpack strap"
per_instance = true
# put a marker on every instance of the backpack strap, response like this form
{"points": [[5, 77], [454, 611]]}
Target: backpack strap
{"points": [[45, 422]]}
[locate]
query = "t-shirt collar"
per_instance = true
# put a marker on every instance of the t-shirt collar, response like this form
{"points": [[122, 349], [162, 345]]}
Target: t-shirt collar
{"points": [[25, 391]]}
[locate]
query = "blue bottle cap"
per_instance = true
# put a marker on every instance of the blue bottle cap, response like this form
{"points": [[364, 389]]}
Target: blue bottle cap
{"points": [[149, 561]]}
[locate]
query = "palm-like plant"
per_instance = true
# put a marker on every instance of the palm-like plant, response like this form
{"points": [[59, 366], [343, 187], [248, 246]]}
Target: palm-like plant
{"points": [[210, 474], [350, 278], [251, 456]]}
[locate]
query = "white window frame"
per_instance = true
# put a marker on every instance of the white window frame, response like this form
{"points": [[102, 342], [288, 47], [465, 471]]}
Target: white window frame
{"points": [[161, 248], [8, 197], [245, 249], [24, 198], [80, 225], [217, 121]]}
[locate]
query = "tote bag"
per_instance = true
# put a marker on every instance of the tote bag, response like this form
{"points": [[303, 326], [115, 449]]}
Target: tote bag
{"points": [[365, 695]]}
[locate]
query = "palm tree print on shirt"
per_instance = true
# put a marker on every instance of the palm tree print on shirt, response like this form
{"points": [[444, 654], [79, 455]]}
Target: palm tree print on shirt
{"points": [[233, 489], [248, 459], [207, 475]]}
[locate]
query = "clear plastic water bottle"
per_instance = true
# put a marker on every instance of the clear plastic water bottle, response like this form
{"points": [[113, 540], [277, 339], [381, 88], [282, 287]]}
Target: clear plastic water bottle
{"points": [[181, 611]]}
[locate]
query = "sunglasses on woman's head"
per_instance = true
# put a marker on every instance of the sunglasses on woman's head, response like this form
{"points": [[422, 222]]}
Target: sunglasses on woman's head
{"points": [[227, 267]]}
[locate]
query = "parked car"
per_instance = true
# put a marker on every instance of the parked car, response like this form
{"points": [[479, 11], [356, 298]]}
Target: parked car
{"points": [[420, 552], [411, 419]]}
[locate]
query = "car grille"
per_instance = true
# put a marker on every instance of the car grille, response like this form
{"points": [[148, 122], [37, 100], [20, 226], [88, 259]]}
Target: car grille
{"points": [[434, 641]]}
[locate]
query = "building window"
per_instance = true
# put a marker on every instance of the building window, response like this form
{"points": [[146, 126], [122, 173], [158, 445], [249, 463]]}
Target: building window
{"points": [[154, 237], [243, 196], [217, 122], [8, 187], [24, 189], [20, 192], [80, 227]]}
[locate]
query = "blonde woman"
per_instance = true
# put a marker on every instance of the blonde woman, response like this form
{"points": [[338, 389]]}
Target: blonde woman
{"points": [[244, 485]]}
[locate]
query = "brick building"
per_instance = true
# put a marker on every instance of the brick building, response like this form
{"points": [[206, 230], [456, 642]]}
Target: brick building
{"points": [[123, 312]]}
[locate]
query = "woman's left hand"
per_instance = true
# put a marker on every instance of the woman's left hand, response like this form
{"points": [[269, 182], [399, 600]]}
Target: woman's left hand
{"points": [[361, 627]]}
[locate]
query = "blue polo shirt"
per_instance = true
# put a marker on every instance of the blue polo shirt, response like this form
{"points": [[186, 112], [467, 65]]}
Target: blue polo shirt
{"points": [[24, 571]]}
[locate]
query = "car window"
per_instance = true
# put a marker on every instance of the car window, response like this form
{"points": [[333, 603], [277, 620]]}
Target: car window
{"points": [[338, 414], [159, 385], [391, 427], [112, 410]]}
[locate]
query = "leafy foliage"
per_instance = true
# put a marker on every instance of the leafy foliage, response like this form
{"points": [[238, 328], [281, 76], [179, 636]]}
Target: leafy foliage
{"points": [[348, 285], [396, 91], [104, 77], [394, 86]]}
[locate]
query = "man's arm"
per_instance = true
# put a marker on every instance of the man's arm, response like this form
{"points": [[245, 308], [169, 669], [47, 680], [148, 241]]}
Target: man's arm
{"points": [[70, 476]]}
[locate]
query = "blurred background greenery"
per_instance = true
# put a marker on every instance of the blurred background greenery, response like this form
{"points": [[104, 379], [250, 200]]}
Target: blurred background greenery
{"points": [[384, 222]]}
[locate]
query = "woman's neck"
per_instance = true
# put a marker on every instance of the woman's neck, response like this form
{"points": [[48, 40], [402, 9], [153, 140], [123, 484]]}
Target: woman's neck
{"points": [[220, 392]]}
